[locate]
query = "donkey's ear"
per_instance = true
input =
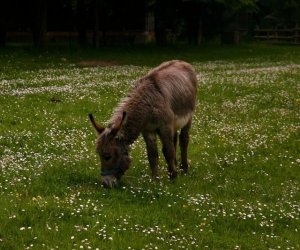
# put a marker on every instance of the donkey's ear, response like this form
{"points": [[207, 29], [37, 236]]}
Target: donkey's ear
{"points": [[97, 126], [118, 124]]}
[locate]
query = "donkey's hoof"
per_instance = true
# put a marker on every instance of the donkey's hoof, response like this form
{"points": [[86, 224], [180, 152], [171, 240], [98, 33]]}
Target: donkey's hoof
{"points": [[173, 175], [109, 181], [184, 168], [155, 178]]}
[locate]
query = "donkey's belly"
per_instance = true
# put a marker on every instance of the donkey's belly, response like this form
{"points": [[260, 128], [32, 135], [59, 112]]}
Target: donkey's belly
{"points": [[178, 123], [181, 121]]}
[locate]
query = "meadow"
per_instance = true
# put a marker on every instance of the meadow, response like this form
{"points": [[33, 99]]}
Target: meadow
{"points": [[243, 188]]}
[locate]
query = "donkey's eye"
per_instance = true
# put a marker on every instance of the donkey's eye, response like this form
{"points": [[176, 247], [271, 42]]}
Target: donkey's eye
{"points": [[107, 157]]}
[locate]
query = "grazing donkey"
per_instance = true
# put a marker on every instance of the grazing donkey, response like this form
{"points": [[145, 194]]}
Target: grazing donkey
{"points": [[162, 102]]}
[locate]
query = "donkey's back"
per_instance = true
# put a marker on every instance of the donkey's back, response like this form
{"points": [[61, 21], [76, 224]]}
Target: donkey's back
{"points": [[178, 83]]}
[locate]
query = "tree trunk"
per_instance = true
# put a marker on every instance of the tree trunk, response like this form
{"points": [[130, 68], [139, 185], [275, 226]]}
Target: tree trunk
{"points": [[194, 22], [160, 23], [5, 8], [199, 35], [149, 24], [96, 27], [231, 31], [103, 11], [81, 23], [2, 34], [39, 26], [195, 30]]}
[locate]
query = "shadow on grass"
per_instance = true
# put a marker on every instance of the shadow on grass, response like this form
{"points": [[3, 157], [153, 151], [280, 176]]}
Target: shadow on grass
{"points": [[58, 180]]}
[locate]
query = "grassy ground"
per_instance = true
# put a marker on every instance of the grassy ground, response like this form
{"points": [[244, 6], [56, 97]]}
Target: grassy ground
{"points": [[243, 188]]}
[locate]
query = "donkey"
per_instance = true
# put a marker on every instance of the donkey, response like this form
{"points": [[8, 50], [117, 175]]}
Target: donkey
{"points": [[160, 103]]}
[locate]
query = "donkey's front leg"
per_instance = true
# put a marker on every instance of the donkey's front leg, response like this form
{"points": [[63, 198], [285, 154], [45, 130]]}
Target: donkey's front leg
{"points": [[151, 145], [183, 142], [167, 139]]}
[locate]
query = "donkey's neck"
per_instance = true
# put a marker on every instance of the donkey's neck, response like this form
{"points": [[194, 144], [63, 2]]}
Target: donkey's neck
{"points": [[132, 128], [134, 121]]}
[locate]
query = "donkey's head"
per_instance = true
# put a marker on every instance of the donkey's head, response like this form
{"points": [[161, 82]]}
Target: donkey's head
{"points": [[112, 150]]}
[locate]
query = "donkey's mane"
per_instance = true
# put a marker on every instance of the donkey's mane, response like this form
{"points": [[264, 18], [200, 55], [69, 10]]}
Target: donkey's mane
{"points": [[135, 104]]}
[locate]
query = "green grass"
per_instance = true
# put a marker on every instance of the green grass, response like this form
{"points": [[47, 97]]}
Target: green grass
{"points": [[242, 191]]}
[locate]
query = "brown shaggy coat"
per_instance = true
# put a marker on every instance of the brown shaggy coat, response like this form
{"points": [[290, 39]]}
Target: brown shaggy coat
{"points": [[160, 103]]}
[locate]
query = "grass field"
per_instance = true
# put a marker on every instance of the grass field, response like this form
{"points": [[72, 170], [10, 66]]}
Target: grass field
{"points": [[243, 189]]}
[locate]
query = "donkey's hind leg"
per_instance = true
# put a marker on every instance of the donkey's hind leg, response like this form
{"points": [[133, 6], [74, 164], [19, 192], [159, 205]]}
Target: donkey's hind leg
{"points": [[183, 142], [175, 139]]}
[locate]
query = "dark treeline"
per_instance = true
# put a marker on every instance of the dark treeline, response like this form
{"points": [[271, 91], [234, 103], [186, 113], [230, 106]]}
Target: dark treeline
{"points": [[95, 22]]}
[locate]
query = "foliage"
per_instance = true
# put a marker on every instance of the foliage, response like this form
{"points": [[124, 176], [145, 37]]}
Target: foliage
{"points": [[194, 21], [288, 15]]}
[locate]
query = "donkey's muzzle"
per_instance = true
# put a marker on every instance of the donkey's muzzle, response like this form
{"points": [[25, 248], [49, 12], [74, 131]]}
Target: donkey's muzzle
{"points": [[109, 181]]}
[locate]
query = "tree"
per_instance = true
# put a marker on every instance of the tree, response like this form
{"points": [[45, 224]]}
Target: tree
{"points": [[207, 19], [234, 13], [39, 22], [200, 17], [288, 15], [193, 13], [3, 22], [160, 23], [96, 26]]}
